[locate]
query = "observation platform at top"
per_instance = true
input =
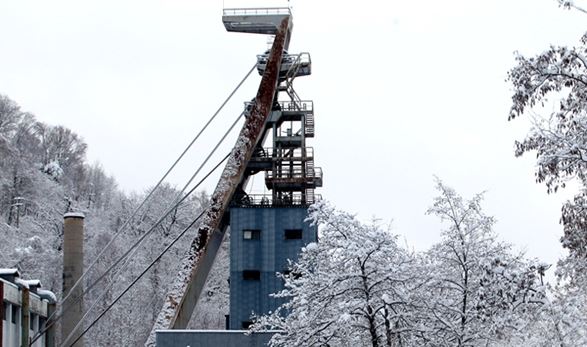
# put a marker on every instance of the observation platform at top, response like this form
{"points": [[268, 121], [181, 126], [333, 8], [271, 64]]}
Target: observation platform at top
{"points": [[261, 20]]}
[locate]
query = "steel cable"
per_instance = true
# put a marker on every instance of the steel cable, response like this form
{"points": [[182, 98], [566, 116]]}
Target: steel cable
{"points": [[134, 247], [59, 313], [143, 237], [136, 279], [133, 214]]}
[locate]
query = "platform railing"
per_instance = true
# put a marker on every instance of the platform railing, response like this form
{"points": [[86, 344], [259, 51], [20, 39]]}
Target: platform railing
{"points": [[303, 105], [295, 172], [256, 11], [300, 60], [285, 153], [261, 200]]}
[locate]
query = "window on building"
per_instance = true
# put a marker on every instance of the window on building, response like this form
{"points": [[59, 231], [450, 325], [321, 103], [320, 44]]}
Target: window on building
{"points": [[251, 234], [42, 322], [4, 310], [15, 314], [293, 234], [251, 275], [33, 322], [246, 324]]}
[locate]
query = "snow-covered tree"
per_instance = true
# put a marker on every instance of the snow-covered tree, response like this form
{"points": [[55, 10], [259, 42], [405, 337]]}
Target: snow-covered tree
{"points": [[43, 174], [556, 79], [353, 288], [551, 87], [480, 291], [560, 322]]}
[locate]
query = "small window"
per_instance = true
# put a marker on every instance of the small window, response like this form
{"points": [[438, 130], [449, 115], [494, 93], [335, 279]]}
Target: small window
{"points": [[42, 322], [246, 324], [293, 234], [251, 234], [251, 275], [4, 310], [14, 314]]}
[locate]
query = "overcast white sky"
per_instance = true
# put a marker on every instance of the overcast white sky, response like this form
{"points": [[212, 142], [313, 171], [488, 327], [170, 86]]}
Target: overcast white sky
{"points": [[403, 90]]}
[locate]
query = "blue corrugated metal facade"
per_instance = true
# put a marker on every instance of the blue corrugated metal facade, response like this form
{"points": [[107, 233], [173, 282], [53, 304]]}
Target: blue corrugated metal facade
{"points": [[275, 239]]}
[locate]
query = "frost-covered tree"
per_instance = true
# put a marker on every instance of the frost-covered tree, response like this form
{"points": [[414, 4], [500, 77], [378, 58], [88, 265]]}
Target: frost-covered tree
{"points": [[353, 288], [139, 307], [560, 322], [43, 174], [552, 88], [557, 79], [10, 116], [480, 291]]}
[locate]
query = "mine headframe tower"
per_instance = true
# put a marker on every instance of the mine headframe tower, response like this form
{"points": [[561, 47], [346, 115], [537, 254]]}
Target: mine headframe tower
{"points": [[266, 229]]}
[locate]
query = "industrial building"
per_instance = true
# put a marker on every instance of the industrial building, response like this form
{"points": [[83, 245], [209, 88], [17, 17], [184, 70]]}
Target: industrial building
{"points": [[25, 308]]}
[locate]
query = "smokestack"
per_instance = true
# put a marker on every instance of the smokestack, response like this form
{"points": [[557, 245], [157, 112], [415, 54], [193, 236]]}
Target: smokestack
{"points": [[73, 267]]}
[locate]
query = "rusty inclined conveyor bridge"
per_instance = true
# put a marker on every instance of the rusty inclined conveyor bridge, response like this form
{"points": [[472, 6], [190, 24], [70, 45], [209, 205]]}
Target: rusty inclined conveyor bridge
{"points": [[278, 70]]}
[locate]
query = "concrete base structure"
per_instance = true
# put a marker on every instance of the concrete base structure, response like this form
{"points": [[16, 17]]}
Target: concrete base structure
{"points": [[211, 338]]}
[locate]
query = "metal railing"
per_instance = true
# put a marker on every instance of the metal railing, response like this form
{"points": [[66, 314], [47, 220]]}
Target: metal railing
{"points": [[261, 200], [294, 172], [303, 105], [285, 153], [256, 11], [302, 59], [290, 63]]}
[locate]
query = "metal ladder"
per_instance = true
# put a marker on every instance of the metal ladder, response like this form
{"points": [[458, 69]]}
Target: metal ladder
{"points": [[309, 124]]}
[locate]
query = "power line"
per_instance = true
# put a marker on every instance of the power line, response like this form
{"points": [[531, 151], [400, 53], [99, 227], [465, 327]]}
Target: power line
{"points": [[133, 214]]}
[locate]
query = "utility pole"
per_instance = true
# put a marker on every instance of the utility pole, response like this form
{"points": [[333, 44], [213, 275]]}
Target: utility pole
{"points": [[17, 202]]}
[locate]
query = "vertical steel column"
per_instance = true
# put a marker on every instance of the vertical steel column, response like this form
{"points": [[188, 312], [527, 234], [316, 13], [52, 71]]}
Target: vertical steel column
{"points": [[185, 291]]}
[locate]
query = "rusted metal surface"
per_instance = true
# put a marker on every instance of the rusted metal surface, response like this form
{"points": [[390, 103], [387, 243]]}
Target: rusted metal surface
{"points": [[185, 291]]}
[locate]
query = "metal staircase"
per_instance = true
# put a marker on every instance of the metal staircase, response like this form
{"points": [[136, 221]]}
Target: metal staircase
{"points": [[309, 125]]}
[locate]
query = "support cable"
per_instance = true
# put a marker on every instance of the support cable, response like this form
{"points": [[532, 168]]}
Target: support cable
{"points": [[133, 214], [71, 334], [136, 279], [175, 204], [133, 248]]}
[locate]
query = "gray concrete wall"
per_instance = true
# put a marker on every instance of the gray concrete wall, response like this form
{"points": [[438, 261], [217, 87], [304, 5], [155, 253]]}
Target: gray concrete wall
{"points": [[211, 338]]}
